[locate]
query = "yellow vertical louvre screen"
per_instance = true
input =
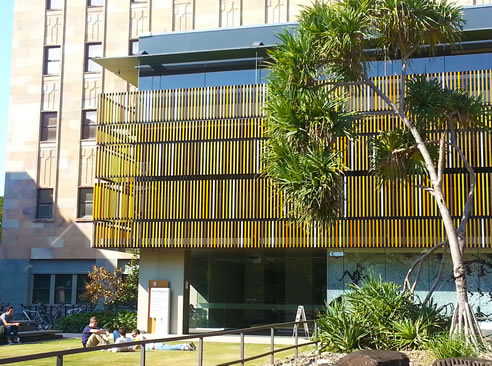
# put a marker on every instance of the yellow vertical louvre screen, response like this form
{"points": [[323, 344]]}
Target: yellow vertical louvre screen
{"points": [[183, 168]]}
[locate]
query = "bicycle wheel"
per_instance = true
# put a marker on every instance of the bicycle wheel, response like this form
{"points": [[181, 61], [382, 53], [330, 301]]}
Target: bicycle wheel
{"points": [[46, 321]]}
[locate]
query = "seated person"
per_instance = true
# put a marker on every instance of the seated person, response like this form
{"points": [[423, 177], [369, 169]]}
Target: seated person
{"points": [[159, 346], [11, 328], [122, 338], [93, 336], [116, 334]]}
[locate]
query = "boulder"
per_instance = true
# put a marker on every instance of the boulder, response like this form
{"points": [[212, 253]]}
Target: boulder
{"points": [[374, 358]]}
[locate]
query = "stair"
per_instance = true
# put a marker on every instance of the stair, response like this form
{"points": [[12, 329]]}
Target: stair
{"points": [[34, 336]]}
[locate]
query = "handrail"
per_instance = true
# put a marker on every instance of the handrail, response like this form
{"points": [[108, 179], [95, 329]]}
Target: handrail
{"points": [[60, 354]]}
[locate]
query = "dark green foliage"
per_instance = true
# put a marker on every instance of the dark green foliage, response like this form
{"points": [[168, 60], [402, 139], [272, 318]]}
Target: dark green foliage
{"points": [[446, 346], [341, 330], [129, 295], [377, 315], [107, 320], [307, 118], [394, 153]]}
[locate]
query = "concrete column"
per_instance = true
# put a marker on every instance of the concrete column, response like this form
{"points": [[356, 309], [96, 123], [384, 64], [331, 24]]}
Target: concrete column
{"points": [[167, 265]]}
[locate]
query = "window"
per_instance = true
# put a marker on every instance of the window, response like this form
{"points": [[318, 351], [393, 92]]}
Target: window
{"points": [[54, 4], [82, 280], [89, 124], [44, 209], [133, 47], [92, 50], [48, 126], [63, 289], [52, 56], [95, 2], [41, 289], [85, 202]]}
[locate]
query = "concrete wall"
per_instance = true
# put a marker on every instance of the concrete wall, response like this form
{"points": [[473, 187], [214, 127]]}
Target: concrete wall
{"points": [[349, 267], [162, 264]]}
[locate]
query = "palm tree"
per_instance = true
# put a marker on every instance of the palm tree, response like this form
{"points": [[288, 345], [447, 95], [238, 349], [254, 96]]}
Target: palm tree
{"points": [[313, 72]]}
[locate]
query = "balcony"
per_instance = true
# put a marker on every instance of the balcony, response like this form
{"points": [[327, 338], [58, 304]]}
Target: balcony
{"points": [[183, 168]]}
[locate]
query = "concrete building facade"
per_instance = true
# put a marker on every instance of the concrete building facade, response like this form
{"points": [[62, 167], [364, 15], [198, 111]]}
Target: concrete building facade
{"points": [[51, 152]]}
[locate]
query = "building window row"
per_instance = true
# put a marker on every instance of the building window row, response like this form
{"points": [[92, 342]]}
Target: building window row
{"points": [[59, 288], [45, 203], [89, 124], [95, 2], [92, 50], [85, 202], [52, 60], [49, 125], [44, 207], [133, 49], [54, 4]]}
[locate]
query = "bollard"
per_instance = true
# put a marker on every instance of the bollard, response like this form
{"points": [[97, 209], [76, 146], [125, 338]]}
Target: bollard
{"points": [[272, 345], [200, 352], [142, 355], [297, 343], [242, 349]]}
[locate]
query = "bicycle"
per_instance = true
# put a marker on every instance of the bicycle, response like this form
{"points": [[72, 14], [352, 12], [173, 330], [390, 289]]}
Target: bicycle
{"points": [[42, 320]]}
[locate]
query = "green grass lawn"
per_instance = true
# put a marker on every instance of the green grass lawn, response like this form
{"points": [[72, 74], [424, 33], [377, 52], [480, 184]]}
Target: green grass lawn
{"points": [[214, 353]]}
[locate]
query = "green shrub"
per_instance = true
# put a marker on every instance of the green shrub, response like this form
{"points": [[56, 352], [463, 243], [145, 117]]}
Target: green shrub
{"points": [[107, 320], [339, 330], [410, 334], [446, 346], [377, 315]]}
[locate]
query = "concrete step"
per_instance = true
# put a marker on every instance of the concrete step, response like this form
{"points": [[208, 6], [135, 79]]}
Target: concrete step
{"points": [[35, 336]]}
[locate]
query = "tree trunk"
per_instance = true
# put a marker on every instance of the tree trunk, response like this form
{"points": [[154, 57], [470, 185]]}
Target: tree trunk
{"points": [[464, 321]]}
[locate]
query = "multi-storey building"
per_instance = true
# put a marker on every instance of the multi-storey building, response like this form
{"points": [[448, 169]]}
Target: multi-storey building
{"points": [[177, 165]]}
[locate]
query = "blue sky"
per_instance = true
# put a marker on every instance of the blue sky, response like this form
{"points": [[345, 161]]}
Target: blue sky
{"points": [[6, 22]]}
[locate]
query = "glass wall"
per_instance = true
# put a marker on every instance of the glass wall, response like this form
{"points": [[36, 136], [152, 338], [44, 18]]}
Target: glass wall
{"points": [[453, 63], [203, 79], [251, 288]]}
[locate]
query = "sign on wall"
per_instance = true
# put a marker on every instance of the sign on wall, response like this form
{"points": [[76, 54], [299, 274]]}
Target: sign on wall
{"points": [[159, 310]]}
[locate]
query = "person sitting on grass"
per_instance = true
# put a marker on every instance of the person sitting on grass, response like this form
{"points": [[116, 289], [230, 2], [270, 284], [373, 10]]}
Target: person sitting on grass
{"points": [[93, 336], [159, 346], [122, 338], [11, 328]]}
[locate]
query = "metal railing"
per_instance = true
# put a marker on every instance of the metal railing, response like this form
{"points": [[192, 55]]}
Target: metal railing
{"points": [[242, 359]]}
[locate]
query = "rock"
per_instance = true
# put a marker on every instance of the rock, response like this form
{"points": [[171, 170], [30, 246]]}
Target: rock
{"points": [[374, 358]]}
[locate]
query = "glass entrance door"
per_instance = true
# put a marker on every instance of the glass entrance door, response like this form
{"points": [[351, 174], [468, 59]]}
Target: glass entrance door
{"points": [[250, 288]]}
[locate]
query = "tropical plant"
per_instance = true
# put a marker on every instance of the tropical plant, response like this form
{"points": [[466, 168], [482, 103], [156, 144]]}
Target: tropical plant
{"points": [[340, 330], [410, 333], [450, 346], [316, 69], [378, 315]]}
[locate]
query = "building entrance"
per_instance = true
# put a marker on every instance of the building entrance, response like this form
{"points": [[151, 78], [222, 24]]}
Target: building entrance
{"points": [[250, 288]]}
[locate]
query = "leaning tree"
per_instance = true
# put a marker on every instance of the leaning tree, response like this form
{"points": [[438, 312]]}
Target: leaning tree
{"points": [[314, 71]]}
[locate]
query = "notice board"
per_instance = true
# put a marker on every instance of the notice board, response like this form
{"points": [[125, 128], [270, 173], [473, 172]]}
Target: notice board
{"points": [[159, 310]]}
